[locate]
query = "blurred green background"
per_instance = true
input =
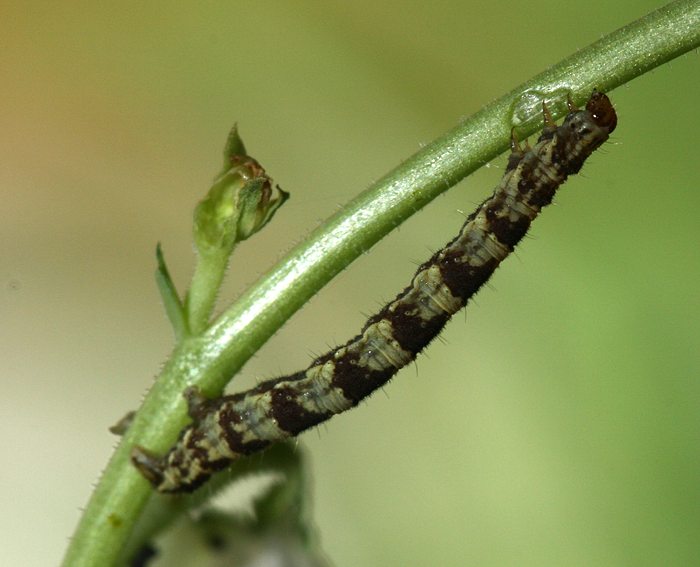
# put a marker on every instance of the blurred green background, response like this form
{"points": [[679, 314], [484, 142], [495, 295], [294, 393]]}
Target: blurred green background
{"points": [[557, 424]]}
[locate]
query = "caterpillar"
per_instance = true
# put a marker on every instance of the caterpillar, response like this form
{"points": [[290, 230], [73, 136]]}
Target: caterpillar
{"points": [[232, 426]]}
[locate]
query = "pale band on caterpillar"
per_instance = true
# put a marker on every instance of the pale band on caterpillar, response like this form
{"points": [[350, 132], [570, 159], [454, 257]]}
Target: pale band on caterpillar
{"points": [[227, 428]]}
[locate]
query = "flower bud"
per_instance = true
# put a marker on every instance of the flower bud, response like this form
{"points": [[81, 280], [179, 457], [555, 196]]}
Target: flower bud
{"points": [[241, 201]]}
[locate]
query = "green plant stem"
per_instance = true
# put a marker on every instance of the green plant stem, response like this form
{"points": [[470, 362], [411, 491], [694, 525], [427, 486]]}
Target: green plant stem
{"points": [[206, 281], [211, 359]]}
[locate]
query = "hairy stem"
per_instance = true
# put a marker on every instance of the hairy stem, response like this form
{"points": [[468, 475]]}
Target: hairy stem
{"points": [[210, 359], [206, 281]]}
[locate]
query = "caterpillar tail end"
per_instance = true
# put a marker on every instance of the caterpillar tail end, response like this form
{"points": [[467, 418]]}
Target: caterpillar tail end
{"points": [[149, 465]]}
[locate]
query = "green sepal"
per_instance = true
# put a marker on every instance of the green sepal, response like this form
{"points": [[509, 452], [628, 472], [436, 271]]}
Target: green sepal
{"points": [[234, 147], [216, 216], [257, 206]]}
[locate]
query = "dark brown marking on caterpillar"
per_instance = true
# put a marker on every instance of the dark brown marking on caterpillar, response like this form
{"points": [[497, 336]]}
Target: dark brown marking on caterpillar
{"points": [[227, 428]]}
